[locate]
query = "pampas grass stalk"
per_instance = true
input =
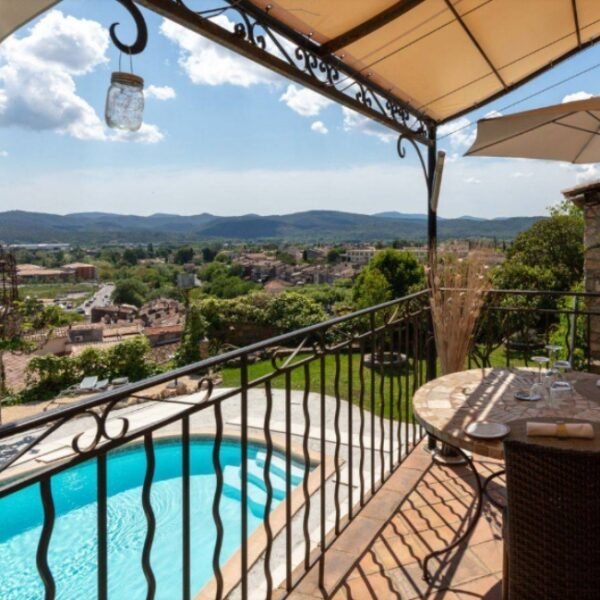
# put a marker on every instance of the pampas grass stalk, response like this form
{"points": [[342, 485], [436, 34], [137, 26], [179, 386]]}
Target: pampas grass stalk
{"points": [[457, 293]]}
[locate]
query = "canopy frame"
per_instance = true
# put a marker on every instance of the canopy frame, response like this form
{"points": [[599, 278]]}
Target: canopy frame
{"points": [[326, 75]]}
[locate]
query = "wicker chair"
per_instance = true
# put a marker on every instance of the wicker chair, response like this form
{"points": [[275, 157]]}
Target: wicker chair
{"points": [[552, 523]]}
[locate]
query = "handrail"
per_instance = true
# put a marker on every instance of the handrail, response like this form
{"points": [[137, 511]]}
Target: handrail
{"points": [[20, 425]]}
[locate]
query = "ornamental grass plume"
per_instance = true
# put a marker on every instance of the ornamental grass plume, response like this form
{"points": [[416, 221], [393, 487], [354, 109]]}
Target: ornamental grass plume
{"points": [[457, 289]]}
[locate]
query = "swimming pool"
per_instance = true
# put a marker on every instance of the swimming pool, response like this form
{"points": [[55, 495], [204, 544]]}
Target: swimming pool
{"points": [[72, 554]]}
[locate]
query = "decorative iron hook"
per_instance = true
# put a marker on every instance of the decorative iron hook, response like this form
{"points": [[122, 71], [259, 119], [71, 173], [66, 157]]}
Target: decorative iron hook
{"points": [[142, 30], [402, 154]]}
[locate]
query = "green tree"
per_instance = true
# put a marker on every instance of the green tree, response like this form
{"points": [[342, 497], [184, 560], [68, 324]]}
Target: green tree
{"points": [[128, 359], [371, 288], [184, 255], [290, 310], [208, 254], [196, 327], [334, 255], [213, 271], [51, 374], [130, 256], [130, 291], [400, 268], [554, 244]]}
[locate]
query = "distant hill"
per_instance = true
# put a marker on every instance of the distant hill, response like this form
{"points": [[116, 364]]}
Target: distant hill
{"points": [[316, 225], [392, 214]]}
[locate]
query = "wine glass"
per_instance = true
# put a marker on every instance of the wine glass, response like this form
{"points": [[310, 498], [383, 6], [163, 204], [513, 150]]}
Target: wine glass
{"points": [[564, 368], [538, 387], [559, 391], [553, 351]]}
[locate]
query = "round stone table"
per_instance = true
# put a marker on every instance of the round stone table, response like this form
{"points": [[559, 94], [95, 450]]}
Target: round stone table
{"points": [[446, 405]]}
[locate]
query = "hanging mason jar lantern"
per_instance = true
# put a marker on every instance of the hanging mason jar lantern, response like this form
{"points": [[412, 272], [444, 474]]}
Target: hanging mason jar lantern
{"points": [[125, 101]]}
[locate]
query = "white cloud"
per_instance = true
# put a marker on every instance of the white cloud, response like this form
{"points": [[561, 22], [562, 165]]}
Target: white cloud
{"points": [[3, 153], [207, 63], [582, 173], [147, 134], [304, 101], [472, 180], [492, 114], [586, 173], [319, 127], [37, 79], [576, 96], [164, 92], [37, 86], [354, 121], [460, 133], [519, 174]]}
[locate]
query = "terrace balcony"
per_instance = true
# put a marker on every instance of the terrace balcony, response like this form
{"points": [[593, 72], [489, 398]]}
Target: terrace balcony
{"points": [[303, 474]]}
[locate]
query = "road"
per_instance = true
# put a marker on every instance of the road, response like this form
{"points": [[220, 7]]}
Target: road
{"points": [[101, 298]]}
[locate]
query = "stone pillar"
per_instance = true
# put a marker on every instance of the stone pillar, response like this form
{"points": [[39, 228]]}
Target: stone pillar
{"points": [[587, 197]]}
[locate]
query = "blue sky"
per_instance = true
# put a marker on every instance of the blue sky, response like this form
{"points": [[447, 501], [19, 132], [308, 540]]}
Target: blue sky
{"points": [[226, 137]]}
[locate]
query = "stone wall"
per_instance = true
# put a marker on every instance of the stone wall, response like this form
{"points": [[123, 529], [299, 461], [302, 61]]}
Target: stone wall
{"points": [[587, 197]]}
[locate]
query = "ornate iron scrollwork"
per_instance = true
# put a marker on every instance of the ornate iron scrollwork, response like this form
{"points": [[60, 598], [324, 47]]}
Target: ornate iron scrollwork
{"points": [[256, 27], [402, 154], [142, 30]]}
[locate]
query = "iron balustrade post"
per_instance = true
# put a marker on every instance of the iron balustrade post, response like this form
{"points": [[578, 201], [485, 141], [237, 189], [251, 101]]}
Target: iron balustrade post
{"points": [[216, 512], [322, 458], [350, 431], [102, 527], [306, 456], [288, 479], [150, 518], [42, 550], [185, 512], [244, 473], [268, 487], [431, 235]]}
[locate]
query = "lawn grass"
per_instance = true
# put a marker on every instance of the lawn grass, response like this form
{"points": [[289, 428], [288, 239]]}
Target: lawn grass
{"points": [[378, 388]]}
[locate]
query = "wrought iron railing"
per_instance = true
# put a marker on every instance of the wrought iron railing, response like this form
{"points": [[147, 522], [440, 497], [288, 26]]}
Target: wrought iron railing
{"points": [[518, 324], [327, 406]]}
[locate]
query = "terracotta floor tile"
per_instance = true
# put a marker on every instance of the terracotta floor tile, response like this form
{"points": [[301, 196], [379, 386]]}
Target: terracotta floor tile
{"points": [[457, 566], [453, 511], [436, 539], [355, 538], [394, 552], [419, 519], [486, 588], [431, 516], [490, 554], [488, 528], [376, 586], [410, 582]]}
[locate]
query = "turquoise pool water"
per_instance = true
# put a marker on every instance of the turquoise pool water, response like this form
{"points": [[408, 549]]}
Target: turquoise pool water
{"points": [[73, 552]]}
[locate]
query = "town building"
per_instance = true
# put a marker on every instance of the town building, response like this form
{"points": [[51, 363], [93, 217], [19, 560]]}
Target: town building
{"points": [[83, 271]]}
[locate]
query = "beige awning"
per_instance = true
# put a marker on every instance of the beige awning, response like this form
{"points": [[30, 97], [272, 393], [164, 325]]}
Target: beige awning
{"points": [[441, 57], [445, 57], [569, 132], [15, 13]]}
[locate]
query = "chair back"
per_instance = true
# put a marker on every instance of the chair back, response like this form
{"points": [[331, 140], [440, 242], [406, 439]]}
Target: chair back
{"points": [[553, 522]]}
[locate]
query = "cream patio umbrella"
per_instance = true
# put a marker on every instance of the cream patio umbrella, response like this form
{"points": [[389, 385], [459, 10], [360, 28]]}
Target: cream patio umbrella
{"points": [[567, 132]]}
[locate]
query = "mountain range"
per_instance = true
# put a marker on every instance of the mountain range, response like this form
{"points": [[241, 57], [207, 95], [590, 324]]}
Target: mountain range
{"points": [[310, 226]]}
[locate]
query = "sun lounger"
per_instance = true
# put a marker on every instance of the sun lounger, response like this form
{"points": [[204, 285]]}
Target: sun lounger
{"points": [[88, 384], [101, 385]]}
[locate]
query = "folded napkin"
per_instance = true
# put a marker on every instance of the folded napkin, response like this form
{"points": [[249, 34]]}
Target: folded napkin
{"points": [[561, 430]]}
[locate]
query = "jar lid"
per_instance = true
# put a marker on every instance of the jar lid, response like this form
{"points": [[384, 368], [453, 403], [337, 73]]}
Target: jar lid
{"points": [[127, 79]]}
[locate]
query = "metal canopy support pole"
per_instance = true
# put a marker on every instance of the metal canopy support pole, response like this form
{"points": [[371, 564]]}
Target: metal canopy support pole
{"points": [[431, 232], [431, 213], [431, 252]]}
